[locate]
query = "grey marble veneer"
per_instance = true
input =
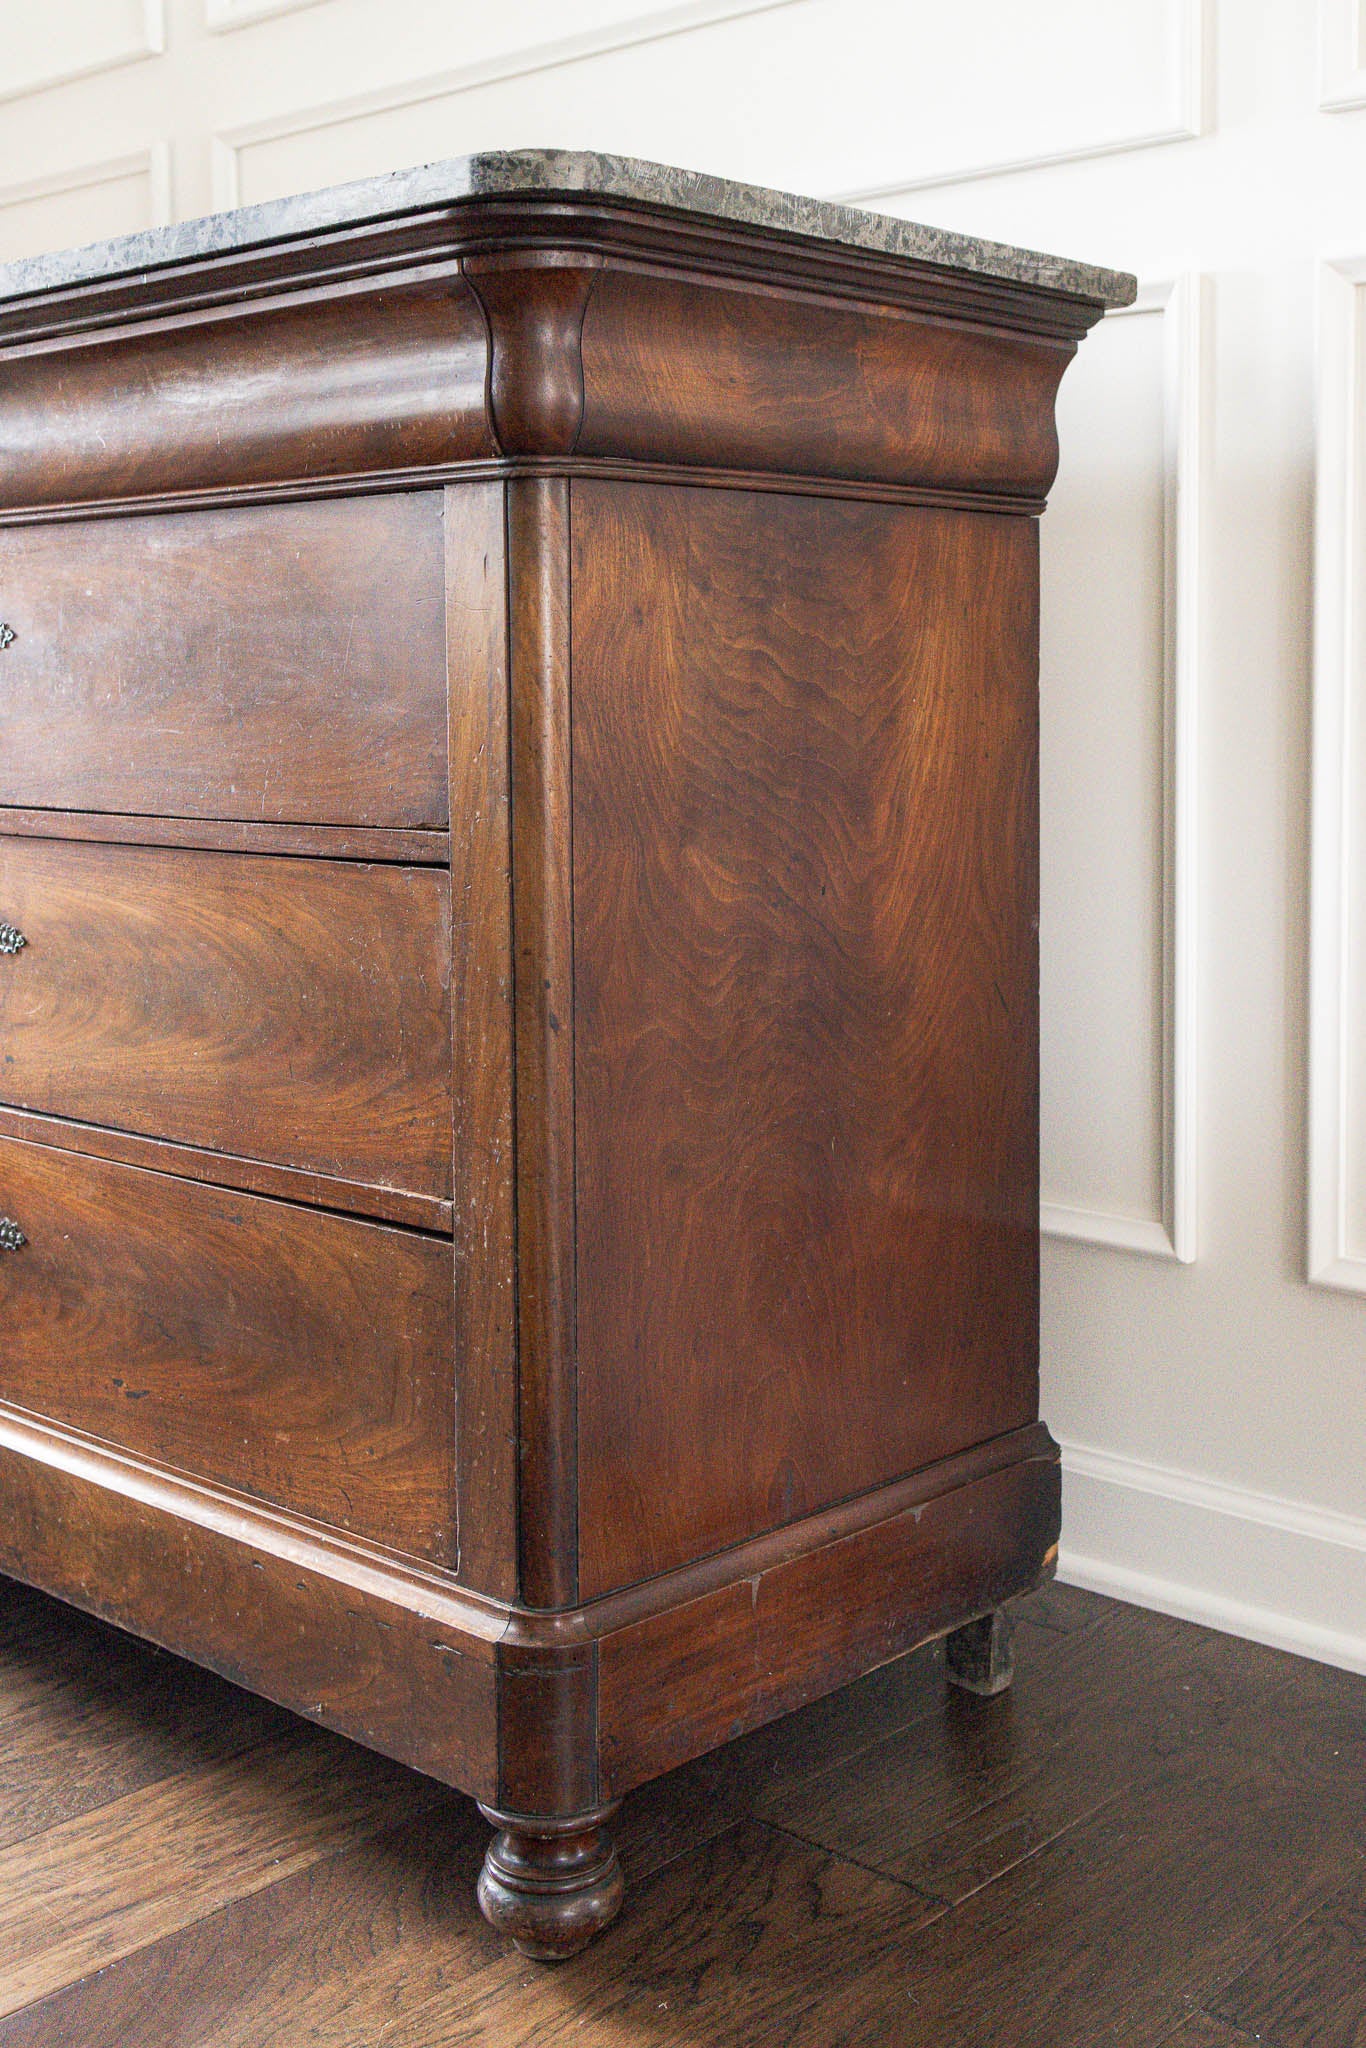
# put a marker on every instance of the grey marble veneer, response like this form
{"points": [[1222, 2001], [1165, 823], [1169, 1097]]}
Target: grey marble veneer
{"points": [[506, 174]]}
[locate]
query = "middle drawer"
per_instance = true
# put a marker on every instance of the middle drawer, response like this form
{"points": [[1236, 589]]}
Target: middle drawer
{"points": [[295, 1011]]}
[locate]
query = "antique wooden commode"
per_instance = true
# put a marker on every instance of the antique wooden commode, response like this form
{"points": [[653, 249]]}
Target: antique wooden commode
{"points": [[518, 962]]}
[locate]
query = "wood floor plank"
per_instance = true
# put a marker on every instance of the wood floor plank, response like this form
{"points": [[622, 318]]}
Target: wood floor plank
{"points": [[230, 1881], [87, 1715], [898, 1697], [1119, 1928], [756, 1941], [673, 1817], [105, 1883], [783, 1752], [951, 1803], [335, 1953], [1308, 1989], [1200, 2031], [1062, 1610], [330, 1953]]}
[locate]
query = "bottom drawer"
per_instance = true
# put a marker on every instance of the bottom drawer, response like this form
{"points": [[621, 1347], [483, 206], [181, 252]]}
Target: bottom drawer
{"points": [[298, 1356]]}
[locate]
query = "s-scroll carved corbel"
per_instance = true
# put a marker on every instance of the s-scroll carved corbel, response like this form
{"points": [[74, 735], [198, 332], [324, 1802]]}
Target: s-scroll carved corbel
{"points": [[535, 315]]}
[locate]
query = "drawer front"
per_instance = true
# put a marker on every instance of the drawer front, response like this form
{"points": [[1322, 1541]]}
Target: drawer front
{"points": [[301, 1357], [295, 1011], [260, 662]]}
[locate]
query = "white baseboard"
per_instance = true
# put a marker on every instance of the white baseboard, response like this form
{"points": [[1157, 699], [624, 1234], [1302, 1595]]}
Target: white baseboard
{"points": [[1277, 1571]]}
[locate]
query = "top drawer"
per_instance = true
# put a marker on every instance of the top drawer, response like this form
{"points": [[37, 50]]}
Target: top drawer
{"points": [[269, 663]]}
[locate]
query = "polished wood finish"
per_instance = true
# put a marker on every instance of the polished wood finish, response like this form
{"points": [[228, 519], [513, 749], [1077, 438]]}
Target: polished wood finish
{"points": [[536, 392], [551, 1887], [548, 1162], [328, 390], [228, 664], [677, 375], [870, 369], [232, 835], [337, 1631], [556, 1712], [223, 1169], [484, 1202], [294, 1011], [318, 1342], [767, 1643], [308, 1893], [517, 782], [773, 760]]}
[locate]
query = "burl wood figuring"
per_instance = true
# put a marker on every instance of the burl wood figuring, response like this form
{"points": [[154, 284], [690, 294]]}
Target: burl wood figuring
{"points": [[518, 979]]}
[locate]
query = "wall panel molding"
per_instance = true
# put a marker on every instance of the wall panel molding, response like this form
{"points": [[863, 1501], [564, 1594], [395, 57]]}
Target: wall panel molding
{"points": [[1148, 1234], [1337, 913], [628, 33], [1205, 1550], [99, 37], [1185, 120], [1181, 306], [153, 163], [222, 15], [1342, 55]]}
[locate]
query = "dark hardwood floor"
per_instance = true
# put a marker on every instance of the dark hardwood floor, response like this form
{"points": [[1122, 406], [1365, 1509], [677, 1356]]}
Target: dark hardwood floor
{"points": [[1159, 1837]]}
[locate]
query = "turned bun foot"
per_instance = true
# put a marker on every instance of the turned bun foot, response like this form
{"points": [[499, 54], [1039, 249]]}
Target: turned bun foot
{"points": [[979, 1657], [550, 1885]]}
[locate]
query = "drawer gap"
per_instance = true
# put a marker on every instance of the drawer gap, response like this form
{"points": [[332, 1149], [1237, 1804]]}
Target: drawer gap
{"points": [[399, 846], [399, 1208]]}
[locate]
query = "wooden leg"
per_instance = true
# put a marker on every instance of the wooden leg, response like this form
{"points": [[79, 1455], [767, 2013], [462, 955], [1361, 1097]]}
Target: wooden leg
{"points": [[550, 1884], [979, 1656]]}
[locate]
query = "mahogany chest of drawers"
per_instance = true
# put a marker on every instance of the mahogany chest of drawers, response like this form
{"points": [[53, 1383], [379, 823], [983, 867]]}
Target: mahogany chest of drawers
{"points": [[518, 962]]}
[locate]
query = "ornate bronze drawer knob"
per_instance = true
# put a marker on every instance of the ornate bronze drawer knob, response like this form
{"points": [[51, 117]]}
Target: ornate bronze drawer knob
{"points": [[12, 1238], [7, 635], [11, 938]]}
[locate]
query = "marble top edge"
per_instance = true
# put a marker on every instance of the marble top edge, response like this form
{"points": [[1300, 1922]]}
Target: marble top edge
{"points": [[493, 174]]}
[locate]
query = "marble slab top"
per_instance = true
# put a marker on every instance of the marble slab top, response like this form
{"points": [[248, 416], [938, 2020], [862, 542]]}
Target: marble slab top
{"points": [[502, 174]]}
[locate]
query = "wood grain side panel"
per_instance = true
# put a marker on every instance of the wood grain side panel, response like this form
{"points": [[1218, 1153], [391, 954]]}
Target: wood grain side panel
{"points": [[255, 662], [683, 1682], [292, 1010], [677, 371], [806, 1023], [382, 1672], [484, 1209], [346, 386], [302, 1357], [543, 944]]}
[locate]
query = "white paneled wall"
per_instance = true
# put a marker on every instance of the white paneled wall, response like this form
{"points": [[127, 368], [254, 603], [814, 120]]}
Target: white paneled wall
{"points": [[66, 39], [1121, 652], [1343, 77], [1204, 1069], [764, 90], [1337, 1109], [87, 201]]}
